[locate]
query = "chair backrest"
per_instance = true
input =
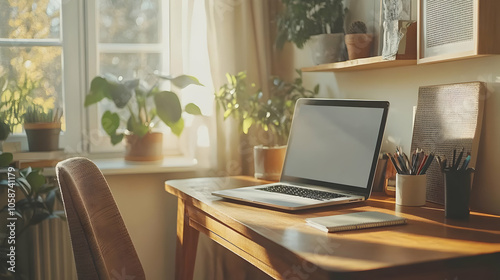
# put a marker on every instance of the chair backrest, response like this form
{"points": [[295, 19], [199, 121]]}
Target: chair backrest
{"points": [[100, 240]]}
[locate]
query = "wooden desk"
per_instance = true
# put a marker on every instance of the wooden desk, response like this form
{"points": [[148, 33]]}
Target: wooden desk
{"points": [[283, 246]]}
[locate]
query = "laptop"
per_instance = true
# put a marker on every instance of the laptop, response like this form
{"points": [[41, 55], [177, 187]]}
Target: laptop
{"points": [[331, 156]]}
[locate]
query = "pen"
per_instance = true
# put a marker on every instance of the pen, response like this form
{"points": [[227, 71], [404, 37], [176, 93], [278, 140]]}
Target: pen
{"points": [[402, 164], [422, 164], [466, 162], [454, 157], [394, 163], [459, 159], [427, 163]]}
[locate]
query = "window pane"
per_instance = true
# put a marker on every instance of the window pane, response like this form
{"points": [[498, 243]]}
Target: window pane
{"points": [[32, 19], [125, 21], [128, 65], [32, 75]]}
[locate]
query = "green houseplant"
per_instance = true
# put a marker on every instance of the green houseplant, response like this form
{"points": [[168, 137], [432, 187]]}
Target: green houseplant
{"points": [[15, 98], [321, 21], [138, 108], [42, 128], [34, 203], [272, 115]]}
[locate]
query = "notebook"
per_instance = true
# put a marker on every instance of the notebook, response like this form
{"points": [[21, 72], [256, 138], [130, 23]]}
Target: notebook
{"points": [[353, 221], [331, 156]]}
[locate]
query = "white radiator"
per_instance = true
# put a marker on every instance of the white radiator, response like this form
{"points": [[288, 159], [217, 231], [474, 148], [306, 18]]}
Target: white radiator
{"points": [[52, 257]]}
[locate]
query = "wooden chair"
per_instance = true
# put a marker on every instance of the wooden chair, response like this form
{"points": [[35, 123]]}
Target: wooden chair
{"points": [[100, 240]]}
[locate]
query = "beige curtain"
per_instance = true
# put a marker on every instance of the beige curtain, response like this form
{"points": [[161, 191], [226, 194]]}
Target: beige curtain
{"points": [[239, 39], [239, 35]]}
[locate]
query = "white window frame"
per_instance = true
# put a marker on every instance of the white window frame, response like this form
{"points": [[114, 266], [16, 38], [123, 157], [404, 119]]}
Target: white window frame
{"points": [[71, 41], [80, 62], [98, 141]]}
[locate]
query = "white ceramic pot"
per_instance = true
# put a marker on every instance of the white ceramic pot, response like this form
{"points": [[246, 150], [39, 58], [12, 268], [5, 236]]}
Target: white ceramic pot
{"points": [[326, 48], [268, 162]]}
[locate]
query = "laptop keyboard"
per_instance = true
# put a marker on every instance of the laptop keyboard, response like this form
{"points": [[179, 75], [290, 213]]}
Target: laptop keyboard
{"points": [[302, 192]]}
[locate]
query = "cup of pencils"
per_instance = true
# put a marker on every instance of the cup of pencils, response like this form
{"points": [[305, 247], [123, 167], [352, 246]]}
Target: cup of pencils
{"points": [[457, 184], [411, 180]]}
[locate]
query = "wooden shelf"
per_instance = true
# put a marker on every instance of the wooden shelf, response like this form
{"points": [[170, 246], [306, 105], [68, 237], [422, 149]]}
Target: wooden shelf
{"points": [[369, 63]]}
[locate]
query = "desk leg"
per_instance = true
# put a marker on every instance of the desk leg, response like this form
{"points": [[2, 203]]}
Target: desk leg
{"points": [[187, 242]]}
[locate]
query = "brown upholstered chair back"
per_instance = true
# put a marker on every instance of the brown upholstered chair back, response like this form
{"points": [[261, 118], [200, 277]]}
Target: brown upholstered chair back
{"points": [[100, 240]]}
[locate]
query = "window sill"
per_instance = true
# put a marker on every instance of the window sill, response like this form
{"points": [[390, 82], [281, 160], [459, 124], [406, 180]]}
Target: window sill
{"points": [[117, 166]]}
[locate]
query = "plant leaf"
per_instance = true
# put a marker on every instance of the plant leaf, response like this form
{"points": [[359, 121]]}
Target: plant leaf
{"points": [[24, 185], [121, 93], [58, 214], [193, 109], [50, 199], [110, 122], [247, 123], [98, 87], [4, 130], [5, 159], [116, 138], [35, 180], [168, 107], [39, 217], [183, 81], [138, 129], [177, 127]]}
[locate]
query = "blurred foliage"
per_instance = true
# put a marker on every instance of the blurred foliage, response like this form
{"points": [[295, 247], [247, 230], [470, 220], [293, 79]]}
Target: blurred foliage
{"points": [[125, 21], [250, 108], [34, 202], [37, 114], [145, 104], [301, 19]]}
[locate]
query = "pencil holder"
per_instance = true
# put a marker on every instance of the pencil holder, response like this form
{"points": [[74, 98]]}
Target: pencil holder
{"points": [[457, 193], [410, 190]]}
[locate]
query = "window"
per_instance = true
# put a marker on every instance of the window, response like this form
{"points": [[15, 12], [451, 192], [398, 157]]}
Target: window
{"points": [[59, 46], [33, 67], [128, 39]]}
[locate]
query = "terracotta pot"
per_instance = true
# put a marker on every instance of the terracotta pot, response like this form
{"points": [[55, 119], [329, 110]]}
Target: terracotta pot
{"points": [[358, 45], [268, 162], [327, 48], [146, 148], [43, 137]]}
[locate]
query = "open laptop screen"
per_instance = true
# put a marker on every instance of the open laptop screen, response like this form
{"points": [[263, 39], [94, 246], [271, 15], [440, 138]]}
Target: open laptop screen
{"points": [[335, 143]]}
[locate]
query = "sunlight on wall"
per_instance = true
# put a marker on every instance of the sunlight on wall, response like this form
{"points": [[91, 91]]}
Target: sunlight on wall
{"points": [[196, 58]]}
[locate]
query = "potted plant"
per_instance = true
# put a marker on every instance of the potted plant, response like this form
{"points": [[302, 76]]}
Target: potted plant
{"points": [[321, 21], [42, 128], [272, 115], [15, 98], [138, 107], [33, 204], [357, 41]]}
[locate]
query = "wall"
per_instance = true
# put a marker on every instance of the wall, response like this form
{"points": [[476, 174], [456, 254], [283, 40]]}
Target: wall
{"points": [[150, 215], [400, 87]]}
